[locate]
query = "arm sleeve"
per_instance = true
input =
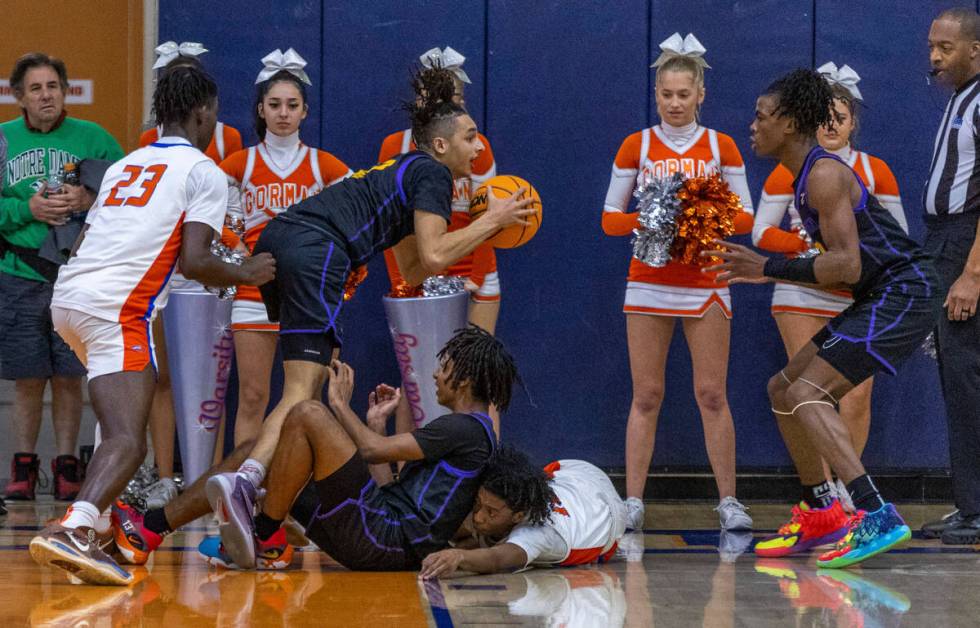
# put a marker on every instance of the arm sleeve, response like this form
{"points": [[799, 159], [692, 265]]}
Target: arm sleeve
{"points": [[389, 147], [14, 212], [233, 140], [432, 188], [207, 195], [615, 220], [484, 168], [445, 434], [886, 191], [332, 169], [541, 543], [733, 172], [777, 194]]}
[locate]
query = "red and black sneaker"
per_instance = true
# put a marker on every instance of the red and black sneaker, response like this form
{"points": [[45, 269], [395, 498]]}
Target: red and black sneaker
{"points": [[67, 471], [23, 477]]}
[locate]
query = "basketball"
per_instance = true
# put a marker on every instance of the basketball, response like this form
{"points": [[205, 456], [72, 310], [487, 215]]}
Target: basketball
{"points": [[503, 186]]}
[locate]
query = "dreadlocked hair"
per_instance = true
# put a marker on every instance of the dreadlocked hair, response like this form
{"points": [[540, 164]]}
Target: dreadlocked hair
{"points": [[523, 486], [806, 97], [480, 359], [179, 91], [433, 111]]}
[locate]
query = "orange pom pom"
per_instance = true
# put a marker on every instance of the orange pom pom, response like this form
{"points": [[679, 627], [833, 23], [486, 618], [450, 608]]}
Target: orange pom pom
{"points": [[708, 211]]}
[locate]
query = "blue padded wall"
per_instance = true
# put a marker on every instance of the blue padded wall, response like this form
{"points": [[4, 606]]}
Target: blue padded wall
{"points": [[557, 87]]}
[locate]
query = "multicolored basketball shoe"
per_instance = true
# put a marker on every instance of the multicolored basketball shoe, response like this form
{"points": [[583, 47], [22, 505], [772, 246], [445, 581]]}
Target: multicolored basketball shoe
{"points": [[273, 554], [76, 551], [134, 542], [869, 534], [214, 552], [806, 529], [232, 498]]}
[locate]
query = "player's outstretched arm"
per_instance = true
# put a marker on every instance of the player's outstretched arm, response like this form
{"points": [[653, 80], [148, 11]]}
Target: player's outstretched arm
{"points": [[439, 248], [445, 563], [197, 262], [374, 448]]}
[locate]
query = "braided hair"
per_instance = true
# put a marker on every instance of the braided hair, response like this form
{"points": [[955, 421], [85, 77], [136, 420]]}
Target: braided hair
{"points": [[482, 360], [523, 486], [179, 91], [806, 97], [282, 76], [433, 111]]}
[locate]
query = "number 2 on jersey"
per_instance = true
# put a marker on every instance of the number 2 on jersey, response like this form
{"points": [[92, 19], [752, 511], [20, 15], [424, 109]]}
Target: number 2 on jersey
{"points": [[149, 184]]}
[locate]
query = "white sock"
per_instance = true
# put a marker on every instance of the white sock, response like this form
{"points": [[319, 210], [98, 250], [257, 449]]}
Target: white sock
{"points": [[253, 471], [81, 514], [104, 522]]}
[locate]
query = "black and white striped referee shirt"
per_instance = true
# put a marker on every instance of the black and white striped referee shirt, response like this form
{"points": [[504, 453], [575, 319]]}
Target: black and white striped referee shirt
{"points": [[954, 175]]}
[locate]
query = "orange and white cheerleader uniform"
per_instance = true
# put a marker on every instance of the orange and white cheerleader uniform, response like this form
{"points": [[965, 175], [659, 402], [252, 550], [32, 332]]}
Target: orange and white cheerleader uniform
{"points": [[676, 289], [226, 141], [777, 200], [480, 266], [268, 178]]}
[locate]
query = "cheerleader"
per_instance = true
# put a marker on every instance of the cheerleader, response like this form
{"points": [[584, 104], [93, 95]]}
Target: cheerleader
{"points": [[656, 297], [265, 179], [801, 312]]}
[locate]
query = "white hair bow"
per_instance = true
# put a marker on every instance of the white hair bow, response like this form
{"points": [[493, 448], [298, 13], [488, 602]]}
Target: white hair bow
{"points": [[277, 60], [845, 76], [447, 59], [170, 50], [677, 46]]}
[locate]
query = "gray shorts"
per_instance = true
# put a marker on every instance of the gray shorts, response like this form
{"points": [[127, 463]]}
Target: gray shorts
{"points": [[30, 348]]}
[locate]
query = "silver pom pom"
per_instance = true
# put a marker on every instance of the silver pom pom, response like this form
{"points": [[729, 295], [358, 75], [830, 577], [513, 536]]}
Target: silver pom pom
{"points": [[442, 285], [810, 252], [658, 206], [228, 256]]}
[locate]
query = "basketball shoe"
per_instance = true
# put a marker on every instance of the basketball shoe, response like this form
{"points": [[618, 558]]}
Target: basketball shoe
{"points": [[134, 542], [232, 498], [869, 534], [807, 528], [273, 554], [76, 551]]}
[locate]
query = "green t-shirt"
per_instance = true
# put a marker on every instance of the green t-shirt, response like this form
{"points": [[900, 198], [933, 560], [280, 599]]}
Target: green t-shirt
{"points": [[29, 156]]}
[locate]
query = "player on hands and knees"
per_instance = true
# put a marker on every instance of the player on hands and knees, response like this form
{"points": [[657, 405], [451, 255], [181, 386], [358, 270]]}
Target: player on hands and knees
{"points": [[160, 203], [864, 249]]}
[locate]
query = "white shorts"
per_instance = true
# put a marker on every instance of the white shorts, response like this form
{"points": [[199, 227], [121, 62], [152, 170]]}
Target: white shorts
{"points": [[792, 299], [660, 300], [489, 292], [247, 315], [105, 346]]}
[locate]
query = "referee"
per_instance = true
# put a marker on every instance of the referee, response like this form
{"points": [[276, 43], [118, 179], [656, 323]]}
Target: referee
{"points": [[952, 204]]}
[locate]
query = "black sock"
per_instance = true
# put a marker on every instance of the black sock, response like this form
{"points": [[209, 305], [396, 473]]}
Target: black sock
{"points": [[266, 526], [156, 521], [865, 494], [818, 495]]}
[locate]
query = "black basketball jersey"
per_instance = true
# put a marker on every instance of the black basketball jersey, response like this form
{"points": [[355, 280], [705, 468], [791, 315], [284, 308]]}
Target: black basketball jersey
{"points": [[433, 496], [375, 209], [888, 254]]}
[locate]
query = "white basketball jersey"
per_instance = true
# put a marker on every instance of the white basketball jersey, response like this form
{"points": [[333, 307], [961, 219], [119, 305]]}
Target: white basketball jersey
{"points": [[588, 514], [123, 268]]}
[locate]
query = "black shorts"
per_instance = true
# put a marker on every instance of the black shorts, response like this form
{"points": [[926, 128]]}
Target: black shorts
{"points": [[353, 522], [877, 332], [30, 348], [308, 291]]}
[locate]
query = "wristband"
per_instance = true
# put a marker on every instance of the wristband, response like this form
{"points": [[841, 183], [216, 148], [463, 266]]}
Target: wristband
{"points": [[798, 269]]}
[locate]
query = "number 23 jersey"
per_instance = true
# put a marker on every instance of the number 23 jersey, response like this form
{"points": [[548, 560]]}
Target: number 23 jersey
{"points": [[123, 268]]}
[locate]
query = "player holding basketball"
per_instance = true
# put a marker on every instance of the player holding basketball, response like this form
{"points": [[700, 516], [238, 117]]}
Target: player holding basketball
{"points": [[159, 203], [800, 312], [266, 179], [656, 297], [895, 307], [567, 514], [479, 268], [405, 202]]}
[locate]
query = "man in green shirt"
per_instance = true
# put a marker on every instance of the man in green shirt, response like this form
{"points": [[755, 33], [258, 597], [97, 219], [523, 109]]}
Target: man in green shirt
{"points": [[38, 144]]}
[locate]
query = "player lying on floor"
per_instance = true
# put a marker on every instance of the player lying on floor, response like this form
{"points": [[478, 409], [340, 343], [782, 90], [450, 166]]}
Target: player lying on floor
{"points": [[362, 518], [566, 514]]}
